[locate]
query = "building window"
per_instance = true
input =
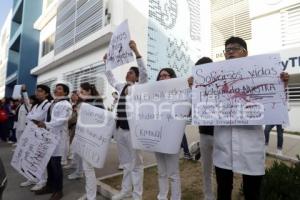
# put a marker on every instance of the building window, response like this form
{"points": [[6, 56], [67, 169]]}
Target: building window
{"points": [[94, 74], [48, 45], [229, 18], [290, 29], [294, 93], [49, 82]]}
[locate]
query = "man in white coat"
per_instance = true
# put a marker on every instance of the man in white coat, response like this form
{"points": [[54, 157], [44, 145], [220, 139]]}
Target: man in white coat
{"points": [[38, 113], [239, 149], [129, 158], [57, 123]]}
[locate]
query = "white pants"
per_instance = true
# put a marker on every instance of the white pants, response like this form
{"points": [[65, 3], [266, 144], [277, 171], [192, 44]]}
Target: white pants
{"points": [[132, 161], [168, 167], [206, 149], [77, 162], [90, 180], [66, 139]]}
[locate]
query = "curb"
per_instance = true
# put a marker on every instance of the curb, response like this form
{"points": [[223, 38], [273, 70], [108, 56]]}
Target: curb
{"points": [[106, 190], [283, 158]]}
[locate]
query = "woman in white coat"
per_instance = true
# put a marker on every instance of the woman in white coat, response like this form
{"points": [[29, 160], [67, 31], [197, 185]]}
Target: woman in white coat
{"points": [[168, 164], [57, 123], [38, 113], [90, 95]]}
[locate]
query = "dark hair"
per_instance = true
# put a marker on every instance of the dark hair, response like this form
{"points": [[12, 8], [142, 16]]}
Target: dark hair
{"points": [[237, 40], [204, 60], [65, 88], [136, 71], [170, 71], [46, 90], [44, 87], [74, 92], [90, 87], [33, 98]]}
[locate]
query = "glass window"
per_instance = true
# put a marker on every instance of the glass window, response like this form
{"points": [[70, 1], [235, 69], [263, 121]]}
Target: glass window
{"points": [[48, 45]]}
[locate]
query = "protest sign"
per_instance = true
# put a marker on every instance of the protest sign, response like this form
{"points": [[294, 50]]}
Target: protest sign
{"points": [[33, 152], [243, 91], [17, 92], [119, 52], [157, 114], [94, 129]]}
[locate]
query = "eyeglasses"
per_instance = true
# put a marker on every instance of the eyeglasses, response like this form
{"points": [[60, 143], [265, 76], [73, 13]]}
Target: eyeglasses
{"points": [[234, 49]]}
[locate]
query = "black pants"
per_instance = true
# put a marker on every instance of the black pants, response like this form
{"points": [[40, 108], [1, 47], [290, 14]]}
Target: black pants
{"points": [[55, 174], [251, 185]]}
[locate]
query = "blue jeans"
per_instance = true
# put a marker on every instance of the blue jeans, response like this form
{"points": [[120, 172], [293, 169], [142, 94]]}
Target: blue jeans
{"points": [[279, 129]]}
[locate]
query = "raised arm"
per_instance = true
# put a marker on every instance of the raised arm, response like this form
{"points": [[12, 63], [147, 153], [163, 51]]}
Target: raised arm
{"points": [[143, 78], [111, 78]]}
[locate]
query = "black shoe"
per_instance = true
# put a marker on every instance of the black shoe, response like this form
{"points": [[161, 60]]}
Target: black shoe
{"points": [[44, 190], [56, 196]]}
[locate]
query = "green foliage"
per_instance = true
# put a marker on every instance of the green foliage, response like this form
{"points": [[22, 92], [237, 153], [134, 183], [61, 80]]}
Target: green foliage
{"points": [[281, 182]]}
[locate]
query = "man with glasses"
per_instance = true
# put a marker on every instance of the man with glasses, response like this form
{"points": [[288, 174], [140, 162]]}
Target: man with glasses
{"points": [[239, 149]]}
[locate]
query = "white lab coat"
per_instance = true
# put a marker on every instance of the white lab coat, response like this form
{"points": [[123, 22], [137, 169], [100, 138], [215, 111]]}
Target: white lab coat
{"points": [[21, 121], [39, 112], [60, 114], [240, 149]]}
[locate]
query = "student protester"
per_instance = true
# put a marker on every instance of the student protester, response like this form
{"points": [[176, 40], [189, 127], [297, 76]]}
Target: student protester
{"points": [[38, 112], [206, 147], [57, 118], [168, 164], [87, 94], [21, 113], [130, 159], [279, 130], [239, 149]]}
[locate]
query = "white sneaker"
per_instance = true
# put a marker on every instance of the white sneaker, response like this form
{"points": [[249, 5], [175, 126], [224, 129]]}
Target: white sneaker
{"points": [[27, 183], [75, 175], [64, 162], [120, 167], [83, 197], [38, 186], [121, 195], [69, 166], [279, 152]]}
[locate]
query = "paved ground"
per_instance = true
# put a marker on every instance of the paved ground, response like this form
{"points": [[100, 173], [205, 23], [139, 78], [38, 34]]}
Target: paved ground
{"points": [[75, 189], [72, 189]]}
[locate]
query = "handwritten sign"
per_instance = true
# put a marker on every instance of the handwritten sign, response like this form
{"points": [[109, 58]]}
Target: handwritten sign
{"points": [[244, 91], [157, 114], [119, 52], [17, 92], [93, 133], [33, 152]]}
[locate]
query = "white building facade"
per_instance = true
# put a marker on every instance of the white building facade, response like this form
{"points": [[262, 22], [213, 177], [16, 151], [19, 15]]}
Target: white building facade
{"points": [[4, 42], [75, 35]]}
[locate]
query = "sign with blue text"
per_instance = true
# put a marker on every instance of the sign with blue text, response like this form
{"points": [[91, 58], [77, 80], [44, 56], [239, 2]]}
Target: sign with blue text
{"points": [[157, 113]]}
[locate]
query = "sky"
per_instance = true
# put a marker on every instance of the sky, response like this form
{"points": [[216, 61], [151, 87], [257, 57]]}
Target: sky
{"points": [[5, 6]]}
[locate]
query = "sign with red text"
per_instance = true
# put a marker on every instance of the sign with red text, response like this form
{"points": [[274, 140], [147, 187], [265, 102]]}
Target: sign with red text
{"points": [[242, 91]]}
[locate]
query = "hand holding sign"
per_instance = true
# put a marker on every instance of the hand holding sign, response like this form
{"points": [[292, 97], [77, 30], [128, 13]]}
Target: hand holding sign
{"points": [[119, 52]]}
